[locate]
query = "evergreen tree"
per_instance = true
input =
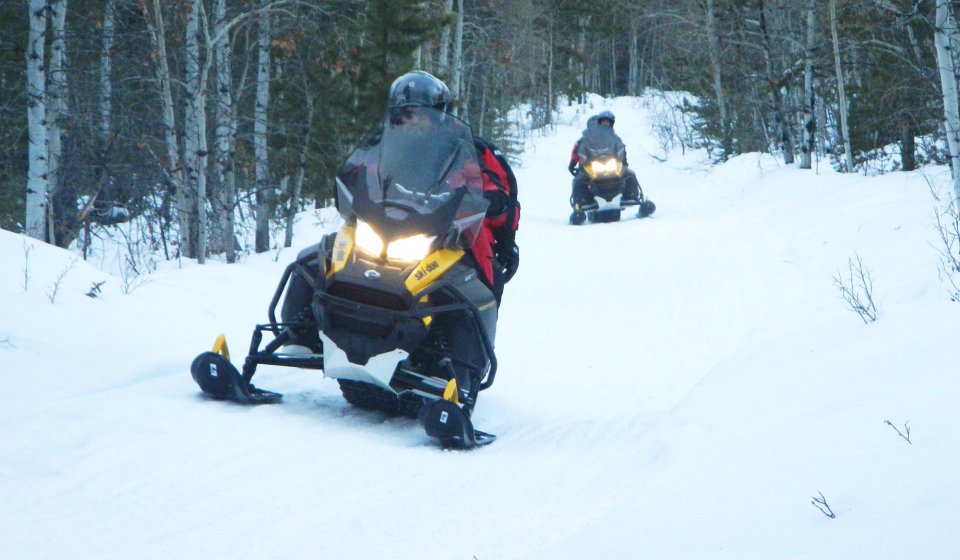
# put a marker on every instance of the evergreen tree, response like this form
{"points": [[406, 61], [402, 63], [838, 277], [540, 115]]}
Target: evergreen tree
{"points": [[391, 33], [13, 114]]}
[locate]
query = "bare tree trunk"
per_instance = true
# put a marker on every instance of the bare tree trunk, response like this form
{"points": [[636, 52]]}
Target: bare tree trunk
{"points": [[633, 74], [483, 103], [225, 200], [297, 186], [613, 67], [776, 84], [841, 91], [809, 95], [443, 57], [200, 108], [190, 199], [105, 126], [37, 200], [261, 167], [106, 73], [174, 165], [550, 95], [945, 39], [908, 148], [455, 85], [713, 49], [57, 91], [582, 22]]}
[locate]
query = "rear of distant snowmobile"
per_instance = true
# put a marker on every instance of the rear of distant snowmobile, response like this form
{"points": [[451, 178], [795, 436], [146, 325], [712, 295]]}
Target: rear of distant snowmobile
{"points": [[391, 305]]}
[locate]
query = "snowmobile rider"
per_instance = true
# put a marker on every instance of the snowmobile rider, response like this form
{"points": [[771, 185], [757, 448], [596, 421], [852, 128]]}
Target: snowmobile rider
{"points": [[495, 253], [580, 198]]}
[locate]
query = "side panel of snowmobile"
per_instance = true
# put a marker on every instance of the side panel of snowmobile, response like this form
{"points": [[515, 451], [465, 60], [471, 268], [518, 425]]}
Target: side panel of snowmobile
{"points": [[432, 268]]}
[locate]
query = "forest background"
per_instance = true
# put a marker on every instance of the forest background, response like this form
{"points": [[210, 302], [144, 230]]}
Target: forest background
{"points": [[214, 121]]}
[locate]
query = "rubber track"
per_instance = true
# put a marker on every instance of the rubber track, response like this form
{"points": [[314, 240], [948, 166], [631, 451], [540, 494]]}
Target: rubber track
{"points": [[365, 395]]}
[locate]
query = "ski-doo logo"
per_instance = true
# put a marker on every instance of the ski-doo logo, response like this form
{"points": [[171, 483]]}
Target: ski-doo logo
{"points": [[427, 269], [371, 275], [341, 252]]}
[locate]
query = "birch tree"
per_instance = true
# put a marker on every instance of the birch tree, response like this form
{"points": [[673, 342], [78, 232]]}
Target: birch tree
{"points": [[191, 197], [809, 97], [945, 39], [443, 57], [106, 73], [306, 138], [841, 91], [551, 96], [776, 84], [105, 125], [713, 49], [56, 92], [457, 71], [37, 199], [172, 167], [633, 55], [225, 134], [260, 128]]}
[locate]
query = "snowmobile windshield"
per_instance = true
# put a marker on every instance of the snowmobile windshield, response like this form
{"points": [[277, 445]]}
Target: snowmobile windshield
{"points": [[415, 172], [600, 142]]}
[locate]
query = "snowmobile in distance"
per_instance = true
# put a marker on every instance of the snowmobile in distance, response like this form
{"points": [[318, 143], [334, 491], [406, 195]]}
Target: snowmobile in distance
{"points": [[603, 154], [390, 305]]}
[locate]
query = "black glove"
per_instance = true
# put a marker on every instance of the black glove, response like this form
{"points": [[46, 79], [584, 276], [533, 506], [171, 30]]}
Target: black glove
{"points": [[572, 168], [509, 258]]}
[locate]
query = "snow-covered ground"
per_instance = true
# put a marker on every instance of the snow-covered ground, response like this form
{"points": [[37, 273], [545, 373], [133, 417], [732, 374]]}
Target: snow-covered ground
{"points": [[675, 387]]}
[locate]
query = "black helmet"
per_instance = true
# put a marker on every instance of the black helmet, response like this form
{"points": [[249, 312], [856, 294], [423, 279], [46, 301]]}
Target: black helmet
{"points": [[606, 116], [419, 89]]}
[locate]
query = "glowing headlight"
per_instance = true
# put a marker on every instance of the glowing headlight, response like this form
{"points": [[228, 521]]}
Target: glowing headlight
{"points": [[367, 239], [605, 167], [411, 248]]}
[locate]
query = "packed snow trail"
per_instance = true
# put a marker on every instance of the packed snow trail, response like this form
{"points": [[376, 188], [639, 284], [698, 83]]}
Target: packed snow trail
{"points": [[594, 344], [646, 403]]}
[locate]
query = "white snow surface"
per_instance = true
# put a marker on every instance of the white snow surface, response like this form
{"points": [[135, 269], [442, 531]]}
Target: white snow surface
{"points": [[681, 386]]}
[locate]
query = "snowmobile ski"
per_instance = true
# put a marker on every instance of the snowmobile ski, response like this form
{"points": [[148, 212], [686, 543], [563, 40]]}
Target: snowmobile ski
{"points": [[647, 207], [220, 380], [447, 422]]}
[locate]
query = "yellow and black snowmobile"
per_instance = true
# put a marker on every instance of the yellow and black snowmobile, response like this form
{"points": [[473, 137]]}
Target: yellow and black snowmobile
{"points": [[391, 305], [602, 154]]}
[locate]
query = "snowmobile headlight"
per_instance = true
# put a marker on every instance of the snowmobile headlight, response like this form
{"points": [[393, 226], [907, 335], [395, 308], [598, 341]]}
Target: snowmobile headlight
{"points": [[411, 248], [608, 167], [367, 239]]}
